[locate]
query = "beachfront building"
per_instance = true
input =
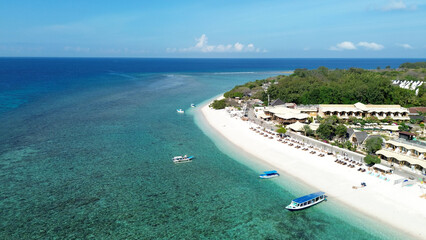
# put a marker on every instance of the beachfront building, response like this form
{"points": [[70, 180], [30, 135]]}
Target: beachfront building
{"points": [[360, 110], [356, 137], [284, 115], [311, 110], [405, 153]]}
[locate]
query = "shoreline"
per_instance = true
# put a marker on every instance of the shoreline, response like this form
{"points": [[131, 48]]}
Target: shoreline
{"points": [[380, 200]]}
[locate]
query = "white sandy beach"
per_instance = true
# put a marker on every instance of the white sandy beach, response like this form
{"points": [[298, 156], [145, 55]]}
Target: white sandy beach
{"points": [[400, 207]]}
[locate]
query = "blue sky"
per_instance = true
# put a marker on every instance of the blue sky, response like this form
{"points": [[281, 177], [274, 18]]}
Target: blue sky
{"points": [[328, 28]]}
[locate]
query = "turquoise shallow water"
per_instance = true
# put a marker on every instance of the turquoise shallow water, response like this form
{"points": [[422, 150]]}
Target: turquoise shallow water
{"points": [[95, 163]]}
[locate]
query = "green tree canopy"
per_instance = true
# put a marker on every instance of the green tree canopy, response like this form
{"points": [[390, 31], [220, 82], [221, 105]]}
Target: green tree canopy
{"points": [[370, 159], [403, 127], [415, 65], [282, 130], [218, 104], [341, 130], [308, 131], [324, 86], [325, 131], [373, 144]]}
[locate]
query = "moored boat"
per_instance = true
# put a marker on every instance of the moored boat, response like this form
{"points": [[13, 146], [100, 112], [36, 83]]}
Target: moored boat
{"points": [[180, 110], [182, 159], [306, 201], [269, 174], [192, 105]]}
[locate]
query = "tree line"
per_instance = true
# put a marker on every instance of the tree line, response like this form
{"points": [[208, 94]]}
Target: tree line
{"points": [[340, 86], [415, 65]]}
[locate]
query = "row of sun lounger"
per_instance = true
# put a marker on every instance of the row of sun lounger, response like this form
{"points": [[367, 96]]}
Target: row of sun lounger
{"points": [[290, 141], [351, 161], [345, 163]]}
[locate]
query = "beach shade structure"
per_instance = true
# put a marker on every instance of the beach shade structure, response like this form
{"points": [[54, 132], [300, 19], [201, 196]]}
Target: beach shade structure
{"points": [[297, 127], [382, 168]]}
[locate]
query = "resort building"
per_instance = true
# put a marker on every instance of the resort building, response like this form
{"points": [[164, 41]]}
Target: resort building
{"points": [[356, 137], [311, 111], [359, 110], [405, 153], [284, 115]]}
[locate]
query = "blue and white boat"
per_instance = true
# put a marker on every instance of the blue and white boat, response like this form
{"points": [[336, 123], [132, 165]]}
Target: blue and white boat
{"points": [[182, 159], [269, 174], [306, 201], [192, 105], [180, 110]]}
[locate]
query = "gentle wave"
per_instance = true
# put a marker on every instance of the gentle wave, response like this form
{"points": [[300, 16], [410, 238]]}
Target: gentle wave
{"points": [[121, 75]]}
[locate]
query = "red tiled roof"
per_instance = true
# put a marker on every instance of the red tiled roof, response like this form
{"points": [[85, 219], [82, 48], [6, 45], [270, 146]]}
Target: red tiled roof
{"points": [[407, 133], [417, 109]]}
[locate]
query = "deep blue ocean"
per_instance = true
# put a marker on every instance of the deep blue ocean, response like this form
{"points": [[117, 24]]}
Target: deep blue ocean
{"points": [[86, 148]]}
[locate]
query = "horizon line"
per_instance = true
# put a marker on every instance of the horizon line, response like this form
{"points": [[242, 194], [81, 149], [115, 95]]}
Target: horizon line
{"points": [[110, 57]]}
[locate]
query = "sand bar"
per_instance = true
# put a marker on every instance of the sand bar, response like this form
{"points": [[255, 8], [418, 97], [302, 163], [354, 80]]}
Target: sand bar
{"points": [[400, 207]]}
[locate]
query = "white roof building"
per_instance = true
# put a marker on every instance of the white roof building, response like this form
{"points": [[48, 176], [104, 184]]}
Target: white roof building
{"points": [[360, 110], [285, 115]]}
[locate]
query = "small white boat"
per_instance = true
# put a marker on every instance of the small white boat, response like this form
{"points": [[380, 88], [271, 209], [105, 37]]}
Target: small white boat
{"points": [[182, 159], [269, 174], [306, 201], [180, 110], [193, 105]]}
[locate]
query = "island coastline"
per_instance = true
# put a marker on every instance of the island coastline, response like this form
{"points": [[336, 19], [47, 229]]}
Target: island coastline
{"points": [[380, 200]]}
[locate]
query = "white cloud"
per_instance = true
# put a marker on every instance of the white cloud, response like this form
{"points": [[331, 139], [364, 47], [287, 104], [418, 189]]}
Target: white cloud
{"points": [[398, 5], [202, 41], [347, 45], [343, 46], [238, 47], [250, 47], [203, 46], [371, 45], [405, 45]]}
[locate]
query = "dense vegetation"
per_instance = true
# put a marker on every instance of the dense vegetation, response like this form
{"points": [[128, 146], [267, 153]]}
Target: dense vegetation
{"points": [[281, 130], [324, 86], [370, 159], [253, 89], [415, 65], [330, 128], [373, 144], [218, 104]]}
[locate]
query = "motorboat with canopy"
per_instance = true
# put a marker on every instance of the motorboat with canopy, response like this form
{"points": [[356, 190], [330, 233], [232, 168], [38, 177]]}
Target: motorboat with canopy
{"points": [[306, 201], [269, 174]]}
